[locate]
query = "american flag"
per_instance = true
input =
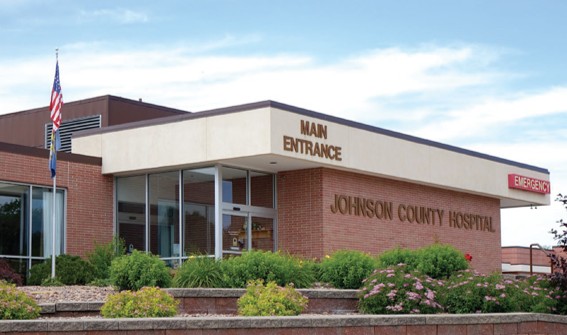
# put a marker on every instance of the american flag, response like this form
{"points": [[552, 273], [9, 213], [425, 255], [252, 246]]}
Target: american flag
{"points": [[56, 100], [55, 110]]}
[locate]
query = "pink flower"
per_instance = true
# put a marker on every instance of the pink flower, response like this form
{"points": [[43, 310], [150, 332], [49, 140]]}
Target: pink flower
{"points": [[430, 294]]}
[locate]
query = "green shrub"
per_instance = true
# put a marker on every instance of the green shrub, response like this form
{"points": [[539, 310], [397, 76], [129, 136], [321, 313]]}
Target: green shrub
{"points": [[199, 271], [101, 282], [139, 269], [266, 265], [102, 256], [469, 292], [70, 270], [148, 302], [346, 269], [437, 260], [52, 282], [270, 300], [8, 274], [398, 256], [398, 290], [440, 261], [16, 305], [536, 294]]}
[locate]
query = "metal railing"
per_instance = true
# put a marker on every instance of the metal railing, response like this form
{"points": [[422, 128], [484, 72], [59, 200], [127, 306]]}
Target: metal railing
{"points": [[531, 257]]}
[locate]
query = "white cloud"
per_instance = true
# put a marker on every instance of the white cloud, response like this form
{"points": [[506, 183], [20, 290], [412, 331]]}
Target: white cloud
{"points": [[119, 15], [490, 114]]}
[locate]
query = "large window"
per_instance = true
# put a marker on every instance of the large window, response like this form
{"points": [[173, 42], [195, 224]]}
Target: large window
{"points": [[164, 214], [131, 211], [173, 214], [26, 223], [199, 211]]}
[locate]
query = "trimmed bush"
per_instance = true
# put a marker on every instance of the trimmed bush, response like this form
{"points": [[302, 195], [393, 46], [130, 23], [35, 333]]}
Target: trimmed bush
{"points": [[398, 256], [148, 302], [16, 305], [139, 269], [102, 256], [70, 270], [398, 290], [437, 260], [440, 261], [8, 274], [199, 272], [268, 266], [346, 269], [270, 300]]}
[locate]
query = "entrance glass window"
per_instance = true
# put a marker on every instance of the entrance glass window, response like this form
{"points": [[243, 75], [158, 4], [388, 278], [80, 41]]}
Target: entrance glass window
{"points": [[247, 210], [199, 211], [26, 224], [164, 214], [174, 214], [131, 211]]}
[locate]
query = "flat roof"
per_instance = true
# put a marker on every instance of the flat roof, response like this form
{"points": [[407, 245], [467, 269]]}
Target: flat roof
{"points": [[309, 113]]}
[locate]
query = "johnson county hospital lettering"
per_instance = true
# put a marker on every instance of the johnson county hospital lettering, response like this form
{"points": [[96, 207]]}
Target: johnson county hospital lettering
{"points": [[262, 175], [384, 210]]}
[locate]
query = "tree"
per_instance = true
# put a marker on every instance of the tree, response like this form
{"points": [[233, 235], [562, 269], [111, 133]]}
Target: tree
{"points": [[559, 262]]}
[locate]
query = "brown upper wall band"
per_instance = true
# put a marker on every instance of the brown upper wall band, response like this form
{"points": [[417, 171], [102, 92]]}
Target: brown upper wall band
{"points": [[44, 153]]}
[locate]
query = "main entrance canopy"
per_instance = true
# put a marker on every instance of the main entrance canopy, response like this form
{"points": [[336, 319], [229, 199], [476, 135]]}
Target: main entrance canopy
{"points": [[204, 182], [272, 137]]}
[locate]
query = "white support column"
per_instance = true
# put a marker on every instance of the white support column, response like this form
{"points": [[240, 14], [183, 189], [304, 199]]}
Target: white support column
{"points": [[218, 212]]}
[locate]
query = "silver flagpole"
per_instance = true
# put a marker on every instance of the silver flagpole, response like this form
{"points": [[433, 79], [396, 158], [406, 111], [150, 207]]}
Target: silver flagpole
{"points": [[53, 234], [54, 152]]}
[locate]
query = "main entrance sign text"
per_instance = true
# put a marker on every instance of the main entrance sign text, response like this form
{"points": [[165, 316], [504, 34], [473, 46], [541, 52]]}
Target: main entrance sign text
{"points": [[385, 210], [312, 148]]}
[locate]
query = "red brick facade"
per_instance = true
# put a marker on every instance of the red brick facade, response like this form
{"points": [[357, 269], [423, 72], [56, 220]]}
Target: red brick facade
{"points": [[89, 193], [308, 226], [306, 198]]}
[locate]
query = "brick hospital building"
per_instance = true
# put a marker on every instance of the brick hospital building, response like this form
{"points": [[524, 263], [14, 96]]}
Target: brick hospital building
{"points": [[263, 175]]}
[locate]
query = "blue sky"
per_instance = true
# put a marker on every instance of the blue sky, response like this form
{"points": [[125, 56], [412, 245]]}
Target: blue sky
{"points": [[489, 76]]}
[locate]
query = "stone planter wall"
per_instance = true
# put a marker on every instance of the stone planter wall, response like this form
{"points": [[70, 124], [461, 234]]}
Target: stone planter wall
{"points": [[471, 324], [219, 301]]}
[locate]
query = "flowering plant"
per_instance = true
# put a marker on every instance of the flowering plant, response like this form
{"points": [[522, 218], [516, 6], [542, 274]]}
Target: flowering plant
{"points": [[396, 290], [16, 305], [470, 292]]}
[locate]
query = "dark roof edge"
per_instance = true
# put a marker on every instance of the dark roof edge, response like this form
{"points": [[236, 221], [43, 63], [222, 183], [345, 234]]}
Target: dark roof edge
{"points": [[138, 102], [44, 153], [102, 97], [310, 113]]}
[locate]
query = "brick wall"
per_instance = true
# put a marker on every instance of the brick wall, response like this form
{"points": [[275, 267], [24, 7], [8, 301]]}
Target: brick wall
{"points": [[89, 193], [300, 212], [521, 255], [307, 225]]}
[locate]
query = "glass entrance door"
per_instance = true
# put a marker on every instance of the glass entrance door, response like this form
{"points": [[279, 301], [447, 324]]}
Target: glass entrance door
{"points": [[245, 231], [235, 237]]}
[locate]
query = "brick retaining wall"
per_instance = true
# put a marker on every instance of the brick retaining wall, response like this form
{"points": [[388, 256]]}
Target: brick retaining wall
{"points": [[218, 301], [470, 324]]}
